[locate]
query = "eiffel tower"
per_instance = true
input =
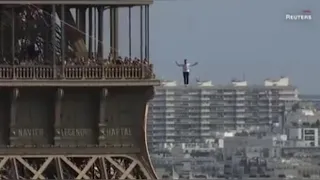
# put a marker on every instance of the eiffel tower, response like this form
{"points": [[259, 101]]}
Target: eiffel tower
{"points": [[70, 109]]}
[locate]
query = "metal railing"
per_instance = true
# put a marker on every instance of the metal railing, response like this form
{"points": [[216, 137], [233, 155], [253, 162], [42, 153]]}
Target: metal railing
{"points": [[76, 72]]}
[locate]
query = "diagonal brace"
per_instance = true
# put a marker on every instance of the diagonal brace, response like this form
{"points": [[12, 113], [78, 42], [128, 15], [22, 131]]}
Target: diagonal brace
{"points": [[118, 166], [75, 168], [29, 167], [3, 162], [86, 168], [128, 171], [42, 168]]}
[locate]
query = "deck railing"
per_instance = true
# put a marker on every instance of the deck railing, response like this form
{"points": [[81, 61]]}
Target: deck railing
{"points": [[77, 72]]}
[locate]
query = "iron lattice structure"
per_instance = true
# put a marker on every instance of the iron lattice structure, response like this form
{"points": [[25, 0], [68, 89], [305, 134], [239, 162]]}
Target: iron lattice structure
{"points": [[69, 109], [101, 166]]}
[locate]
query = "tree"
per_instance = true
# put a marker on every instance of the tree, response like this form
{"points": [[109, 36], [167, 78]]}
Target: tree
{"points": [[295, 107], [318, 123]]}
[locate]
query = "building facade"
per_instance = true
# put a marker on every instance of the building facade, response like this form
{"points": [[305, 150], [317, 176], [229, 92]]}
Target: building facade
{"points": [[302, 127], [304, 137], [180, 114]]}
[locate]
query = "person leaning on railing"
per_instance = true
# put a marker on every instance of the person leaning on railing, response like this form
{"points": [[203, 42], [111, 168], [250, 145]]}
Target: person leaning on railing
{"points": [[135, 63], [79, 61]]}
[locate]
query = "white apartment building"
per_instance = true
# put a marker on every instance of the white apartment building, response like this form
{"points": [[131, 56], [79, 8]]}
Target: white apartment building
{"points": [[302, 127], [304, 137], [180, 114]]}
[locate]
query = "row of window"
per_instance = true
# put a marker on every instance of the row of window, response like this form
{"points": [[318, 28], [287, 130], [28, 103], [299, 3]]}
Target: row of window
{"points": [[202, 91], [217, 97], [213, 114], [309, 138], [311, 131]]}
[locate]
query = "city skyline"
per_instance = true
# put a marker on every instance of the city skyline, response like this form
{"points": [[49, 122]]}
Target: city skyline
{"points": [[179, 82], [228, 40]]}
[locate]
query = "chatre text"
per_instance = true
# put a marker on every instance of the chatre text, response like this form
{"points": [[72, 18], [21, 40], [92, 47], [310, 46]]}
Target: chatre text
{"points": [[75, 132], [30, 132], [118, 132]]}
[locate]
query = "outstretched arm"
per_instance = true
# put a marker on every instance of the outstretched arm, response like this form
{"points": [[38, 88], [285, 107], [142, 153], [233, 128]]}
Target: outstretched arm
{"points": [[178, 64], [194, 64]]}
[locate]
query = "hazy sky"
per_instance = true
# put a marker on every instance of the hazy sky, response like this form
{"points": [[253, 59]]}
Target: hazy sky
{"points": [[230, 38]]}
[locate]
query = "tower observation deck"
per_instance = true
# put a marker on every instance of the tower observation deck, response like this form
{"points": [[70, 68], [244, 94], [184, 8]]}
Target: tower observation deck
{"points": [[68, 108]]}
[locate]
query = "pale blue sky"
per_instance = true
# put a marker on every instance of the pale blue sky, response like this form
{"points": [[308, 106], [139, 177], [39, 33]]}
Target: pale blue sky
{"points": [[230, 38]]}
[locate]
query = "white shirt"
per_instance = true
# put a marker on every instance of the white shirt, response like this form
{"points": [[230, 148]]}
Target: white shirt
{"points": [[186, 67]]}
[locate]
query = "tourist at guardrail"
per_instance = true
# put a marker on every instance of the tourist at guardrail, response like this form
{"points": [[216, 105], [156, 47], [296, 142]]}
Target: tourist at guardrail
{"points": [[75, 68]]}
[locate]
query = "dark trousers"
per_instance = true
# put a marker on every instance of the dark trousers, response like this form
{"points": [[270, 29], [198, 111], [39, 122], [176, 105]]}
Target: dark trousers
{"points": [[186, 78]]}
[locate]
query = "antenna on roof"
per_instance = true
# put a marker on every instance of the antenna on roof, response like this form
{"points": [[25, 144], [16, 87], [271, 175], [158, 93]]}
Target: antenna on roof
{"points": [[243, 76]]}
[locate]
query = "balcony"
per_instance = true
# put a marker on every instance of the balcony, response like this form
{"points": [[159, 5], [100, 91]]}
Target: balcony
{"points": [[205, 122], [36, 73], [169, 122], [238, 110], [204, 128]]}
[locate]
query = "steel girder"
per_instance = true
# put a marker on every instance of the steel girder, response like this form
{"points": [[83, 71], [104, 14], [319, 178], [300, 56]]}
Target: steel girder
{"points": [[118, 166]]}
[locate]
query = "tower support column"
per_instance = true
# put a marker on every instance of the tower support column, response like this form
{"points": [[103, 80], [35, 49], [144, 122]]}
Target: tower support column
{"points": [[13, 115], [57, 116], [82, 21], [100, 31], [53, 39], [102, 116], [114, 23], [90, 42], [2, 32], [63, 34]]}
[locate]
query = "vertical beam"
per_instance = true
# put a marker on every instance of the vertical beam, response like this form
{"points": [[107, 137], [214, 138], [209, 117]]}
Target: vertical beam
{"points": [[116, 31], [90, 31], [102, 116], [103, 168], [93, 30], [63, 34], [78, 11], [15, 167], [100, 31], [2, 31], [57, 115], [53, 39], [147, 31], [13, 15], [111, 25], [13, 113], [130, 32], [47, 35], [114, 36], [96, 30], [82, 21], [59, 168], [141, 32], [284, 117]]}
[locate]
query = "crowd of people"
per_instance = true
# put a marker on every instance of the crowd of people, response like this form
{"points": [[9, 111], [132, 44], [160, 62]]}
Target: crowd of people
{"points": [[107, 61], [77, 61], [30, 48], [120, 67]]}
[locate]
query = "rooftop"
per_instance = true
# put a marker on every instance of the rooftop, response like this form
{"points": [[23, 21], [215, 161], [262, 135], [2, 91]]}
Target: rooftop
{"points": [[311, 97], [247, 141], [282, 83], [303, 118]]}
